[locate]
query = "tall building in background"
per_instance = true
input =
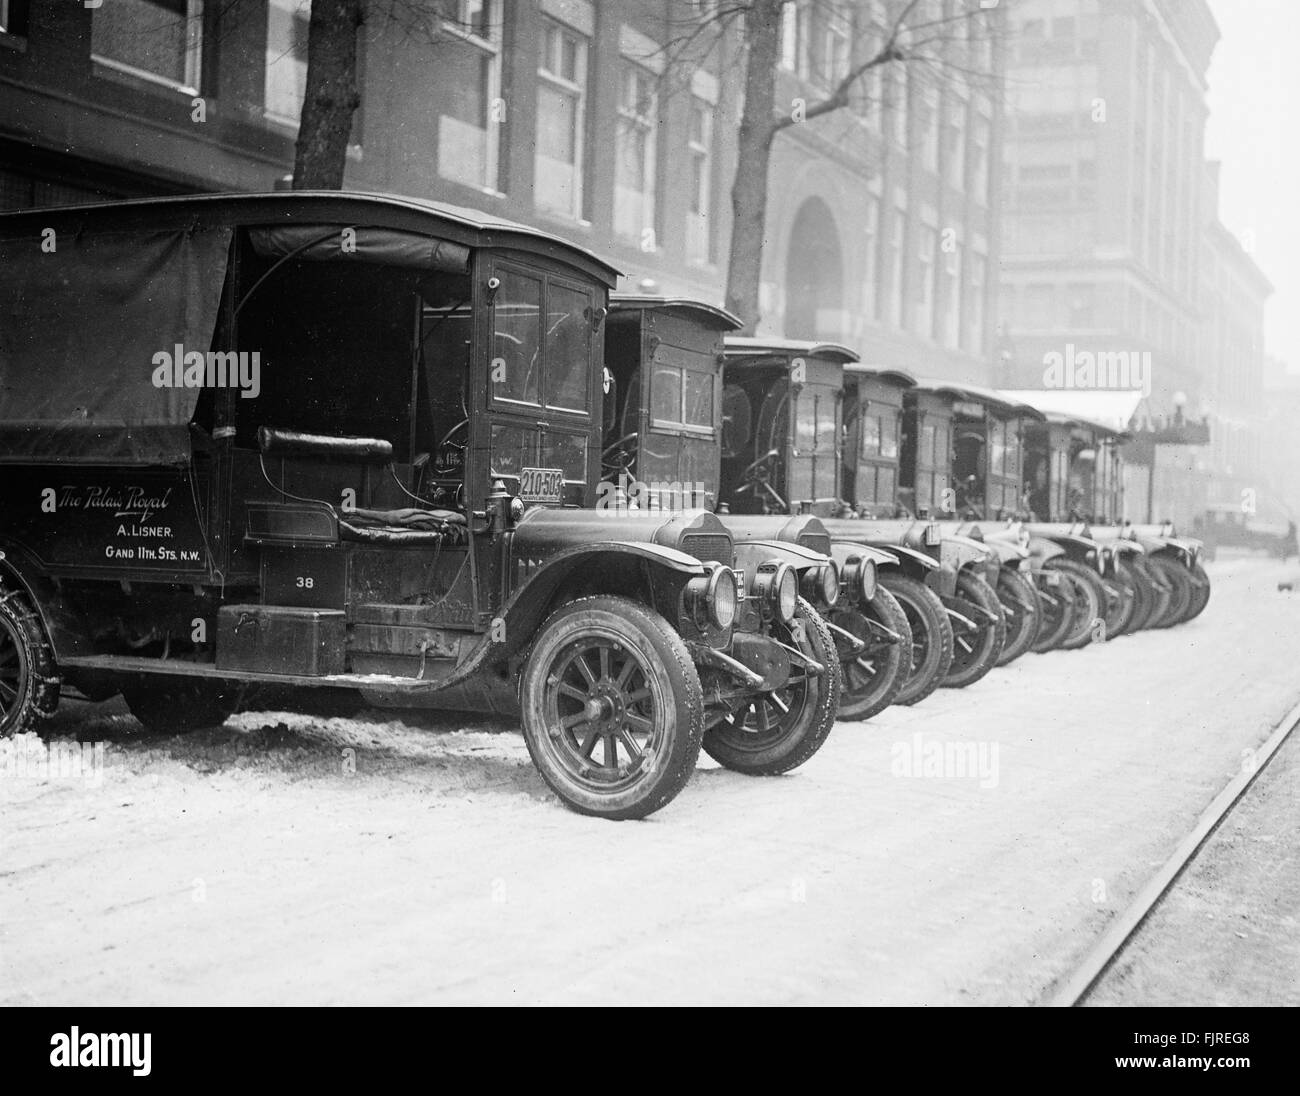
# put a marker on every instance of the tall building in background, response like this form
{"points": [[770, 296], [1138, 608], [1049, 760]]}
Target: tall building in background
{"points": [[1111, 240], [601, 122]]}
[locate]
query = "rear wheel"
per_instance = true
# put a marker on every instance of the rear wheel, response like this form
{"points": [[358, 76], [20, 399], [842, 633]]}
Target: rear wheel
{"points": [[1021, 607], [872, 677], [612, 707], [29, 681], [179, 705], [976, 653], [1177, 577], [1088, 601], [778, 731], [931, 635]]}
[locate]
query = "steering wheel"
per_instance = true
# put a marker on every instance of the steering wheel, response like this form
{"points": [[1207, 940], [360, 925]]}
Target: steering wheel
{"points": [[619, 456], [757, 481]]}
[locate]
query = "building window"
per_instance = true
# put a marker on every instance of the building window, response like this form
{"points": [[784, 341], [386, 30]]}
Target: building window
{"points": [[828, 61], [156, 40], [872, 248], [927, 241], [634, 180], [13, 17], [928, 124], [898, 104], [699, 243], [898, 232], [286, 59], [952, 296], [790, 15], [561, 120], [955, 143], [469, 127], [976, 266], [980, 138], [1082, 305]]}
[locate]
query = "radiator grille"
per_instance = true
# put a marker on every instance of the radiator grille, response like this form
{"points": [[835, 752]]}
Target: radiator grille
{"points": [[708, 548]]}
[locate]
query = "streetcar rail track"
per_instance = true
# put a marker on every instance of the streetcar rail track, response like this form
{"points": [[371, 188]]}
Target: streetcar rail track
{"points": [[1107, 949]]}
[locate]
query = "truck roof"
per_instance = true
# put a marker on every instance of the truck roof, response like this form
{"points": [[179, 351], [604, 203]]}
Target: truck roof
{"points": [[692, 309], [738, 346], [470, 227]]}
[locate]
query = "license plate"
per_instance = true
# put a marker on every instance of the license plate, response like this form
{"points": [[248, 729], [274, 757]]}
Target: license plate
{"points": [[541, 485]]}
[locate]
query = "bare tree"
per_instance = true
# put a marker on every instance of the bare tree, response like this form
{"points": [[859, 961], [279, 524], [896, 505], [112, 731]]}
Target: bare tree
{"points": [[332, 94], [913, 32]]}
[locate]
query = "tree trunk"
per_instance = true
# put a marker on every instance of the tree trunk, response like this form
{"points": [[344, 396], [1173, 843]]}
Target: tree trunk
{"points": [[749, 189], [331, 97]]}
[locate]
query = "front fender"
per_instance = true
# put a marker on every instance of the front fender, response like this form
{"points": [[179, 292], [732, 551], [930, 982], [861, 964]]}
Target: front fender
{"points": [[751, 554], [960, 552]]}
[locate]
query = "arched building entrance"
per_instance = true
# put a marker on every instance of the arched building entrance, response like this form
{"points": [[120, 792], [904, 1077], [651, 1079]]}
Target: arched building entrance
{"points": [[814, 274]]}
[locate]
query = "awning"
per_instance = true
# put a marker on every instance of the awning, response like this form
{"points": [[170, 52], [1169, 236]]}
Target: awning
{"points": [[1110, 409], [81, 330]]}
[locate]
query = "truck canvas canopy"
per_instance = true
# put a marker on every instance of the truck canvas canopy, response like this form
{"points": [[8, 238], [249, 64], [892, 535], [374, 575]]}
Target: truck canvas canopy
{"points": [[89, 317]]}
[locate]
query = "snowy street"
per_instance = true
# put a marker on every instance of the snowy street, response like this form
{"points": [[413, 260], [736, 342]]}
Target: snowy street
{"points": [[380, 861]]}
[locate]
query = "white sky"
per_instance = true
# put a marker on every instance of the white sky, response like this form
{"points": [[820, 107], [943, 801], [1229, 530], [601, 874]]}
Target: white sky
{"points": [[1255, 130]]}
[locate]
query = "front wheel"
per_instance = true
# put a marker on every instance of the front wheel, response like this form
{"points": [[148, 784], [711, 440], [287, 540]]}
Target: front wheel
{"points": [[613, 712], [778, 731], [29, 682], [1021, 607], [1200, 593], [931, 635], [975, 653], [1088, 602], [872, 676], [1179, 581]]}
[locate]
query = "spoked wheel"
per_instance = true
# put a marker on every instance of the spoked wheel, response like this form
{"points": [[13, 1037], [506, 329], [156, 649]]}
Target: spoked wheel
{"points": [[873, 676], [179, 705], [29, 683], [931, 635], [1179, 581], [1021, 607], [778, 731], [975, 653], [612, 708], [1088, 602]]}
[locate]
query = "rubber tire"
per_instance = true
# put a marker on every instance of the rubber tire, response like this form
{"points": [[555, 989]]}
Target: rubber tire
{"points": [[1121, 600], [1180, 602], [728, 746], [892, 668], [36, 692], [1200, 594], [926, 617], [1089, 603], [1158, 592], [180, 705], [1055, 623], [1143, 594], [1015, 591], [988, 641], [667, 660]]}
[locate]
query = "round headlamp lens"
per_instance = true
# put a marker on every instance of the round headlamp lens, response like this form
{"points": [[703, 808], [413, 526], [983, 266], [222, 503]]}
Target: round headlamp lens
{"points": [[722, 597], [787, 593], [867, 579], [830, 577]]}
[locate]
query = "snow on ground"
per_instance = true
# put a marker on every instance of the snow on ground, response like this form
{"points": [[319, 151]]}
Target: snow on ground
{"points": [[286, 859]]}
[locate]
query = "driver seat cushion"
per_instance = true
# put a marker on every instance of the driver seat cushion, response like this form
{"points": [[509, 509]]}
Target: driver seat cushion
{"points": [[404, 526]]}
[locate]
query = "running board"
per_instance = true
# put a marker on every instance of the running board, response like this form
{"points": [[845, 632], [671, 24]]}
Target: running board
{"points": [[121, 664]]}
